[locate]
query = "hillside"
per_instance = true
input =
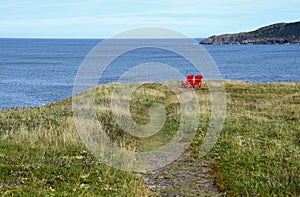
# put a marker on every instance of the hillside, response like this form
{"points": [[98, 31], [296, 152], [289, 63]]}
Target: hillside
{"points": [[280, 33], [257, 154]]}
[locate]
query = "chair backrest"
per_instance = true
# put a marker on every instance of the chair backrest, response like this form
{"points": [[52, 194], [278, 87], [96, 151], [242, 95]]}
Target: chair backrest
{"points": [[189, 82], [198, 78], [190, 79], [198, 81]]}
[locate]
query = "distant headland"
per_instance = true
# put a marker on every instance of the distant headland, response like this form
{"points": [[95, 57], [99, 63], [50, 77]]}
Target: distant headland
{"points": [[280, 33]]}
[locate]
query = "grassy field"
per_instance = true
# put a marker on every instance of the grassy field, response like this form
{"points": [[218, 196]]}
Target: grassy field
{"points": [[257, 154], [259, 150]]}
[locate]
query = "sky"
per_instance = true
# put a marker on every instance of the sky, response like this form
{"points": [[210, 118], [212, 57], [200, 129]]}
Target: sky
{"points": [[105, 18]]}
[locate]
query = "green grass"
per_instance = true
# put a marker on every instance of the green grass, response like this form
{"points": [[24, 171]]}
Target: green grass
{"points": [[257, 154], [42, 155], [259, 150]]}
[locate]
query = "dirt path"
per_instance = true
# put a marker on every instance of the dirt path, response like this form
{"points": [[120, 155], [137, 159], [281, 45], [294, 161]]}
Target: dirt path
{"points": [[184, 177]]}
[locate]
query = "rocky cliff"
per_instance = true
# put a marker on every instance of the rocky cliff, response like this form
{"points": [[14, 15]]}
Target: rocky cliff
{"points": [[280, 33]]}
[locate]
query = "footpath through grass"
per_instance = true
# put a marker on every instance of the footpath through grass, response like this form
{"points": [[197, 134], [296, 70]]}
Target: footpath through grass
{"points": [[257, 154]]}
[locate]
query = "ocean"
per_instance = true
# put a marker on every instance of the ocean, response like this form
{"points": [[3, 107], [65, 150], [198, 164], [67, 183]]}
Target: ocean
{"points": [[35, 72]]}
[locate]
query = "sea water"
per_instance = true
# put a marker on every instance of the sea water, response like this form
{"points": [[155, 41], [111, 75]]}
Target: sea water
{"points": [[34, 72]]}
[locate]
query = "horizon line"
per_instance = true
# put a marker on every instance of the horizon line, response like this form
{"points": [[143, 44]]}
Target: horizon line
{"points": [[87, 38]]}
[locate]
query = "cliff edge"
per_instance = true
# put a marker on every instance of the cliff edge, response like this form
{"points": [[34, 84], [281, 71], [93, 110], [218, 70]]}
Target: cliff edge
{"points": [[280, 33]]}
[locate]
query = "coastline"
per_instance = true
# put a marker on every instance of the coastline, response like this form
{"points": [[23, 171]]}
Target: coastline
{"points": [[70, 98], [279, 33]]}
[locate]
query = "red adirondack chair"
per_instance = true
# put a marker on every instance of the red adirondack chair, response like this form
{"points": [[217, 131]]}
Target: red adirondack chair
{"points": [[198, 81], [189, 83]]}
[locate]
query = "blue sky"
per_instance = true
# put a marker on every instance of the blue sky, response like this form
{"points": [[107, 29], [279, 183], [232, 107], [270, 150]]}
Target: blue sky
{"points": [[105, 18]]}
